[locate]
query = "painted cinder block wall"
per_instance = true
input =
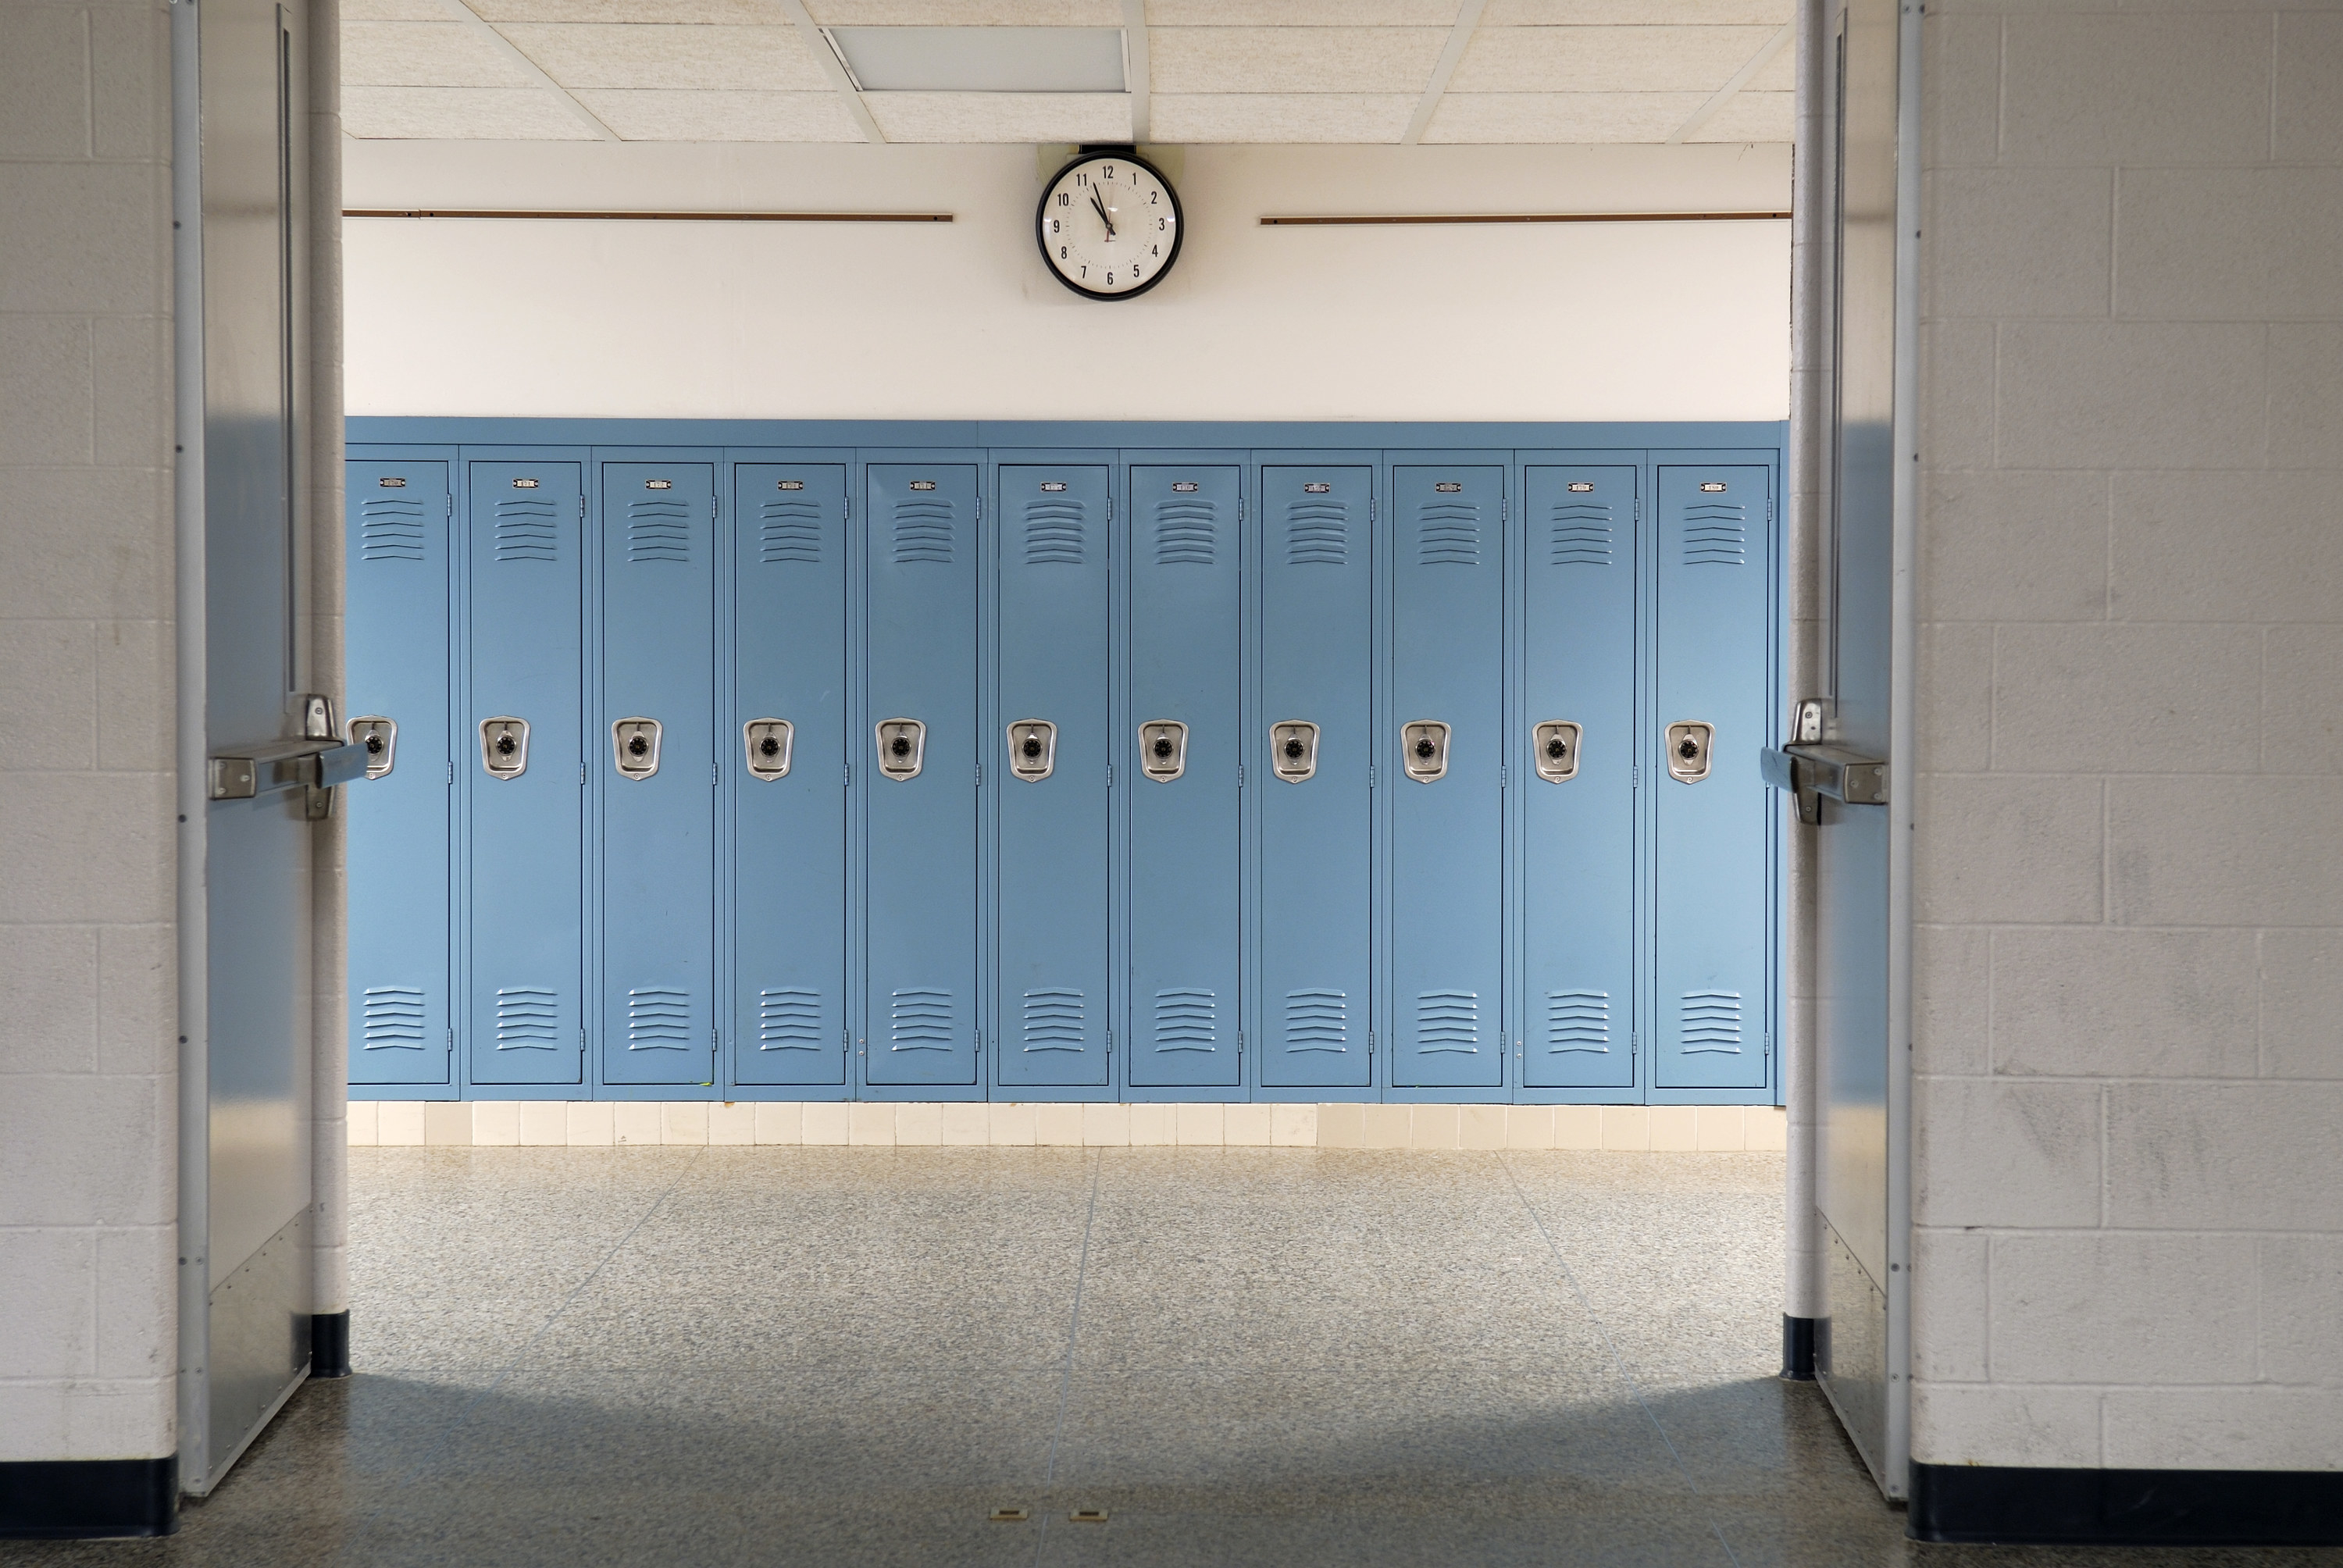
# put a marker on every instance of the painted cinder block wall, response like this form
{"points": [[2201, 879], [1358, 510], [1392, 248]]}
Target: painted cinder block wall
{"points": [[89, 983], [2129, 1088]]}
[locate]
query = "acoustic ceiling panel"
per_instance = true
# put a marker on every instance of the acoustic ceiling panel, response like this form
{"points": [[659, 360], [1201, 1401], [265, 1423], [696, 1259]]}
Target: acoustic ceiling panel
{"points": [[1606, 59], [667, 115], [1294, 59], [1749, 116], [1546, 117], [393, 10], [677, 12], [458, 113], [966, 13], [425, 55], [1302, 12], [1001, 116], [1635, 12], [708, 57], [1207, 117]]}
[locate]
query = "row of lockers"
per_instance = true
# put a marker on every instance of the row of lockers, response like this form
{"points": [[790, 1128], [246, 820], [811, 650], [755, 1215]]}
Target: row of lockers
{"points": [[1090, 774]]}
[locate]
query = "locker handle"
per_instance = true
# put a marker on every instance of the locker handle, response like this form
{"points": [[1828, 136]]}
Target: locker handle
{"points": [[1689, 745]]}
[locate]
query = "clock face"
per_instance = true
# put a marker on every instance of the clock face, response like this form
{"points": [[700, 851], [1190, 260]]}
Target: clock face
{"points": [[1109, 226]]}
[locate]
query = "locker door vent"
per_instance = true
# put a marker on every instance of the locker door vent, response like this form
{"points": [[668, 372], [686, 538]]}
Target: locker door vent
{"points": [[1053, 533], [526, 1019], [527, 528], [789, 531], [1317, 533], [1053, 1019], [921, 1020], [1448, 1021], [1715, 533], [657, 530], [1448, 534], [391, 528], [1183, 1020], [1578, 1020], [1187, 533], [392, 1018], [658, 1018], [1581, 535], [788, 1018], [1317, 1020], [923, 533], [1710, 1022]]}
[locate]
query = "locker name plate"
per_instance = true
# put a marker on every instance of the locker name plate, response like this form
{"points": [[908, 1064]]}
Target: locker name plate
{"points": [[379, 736], [768, 741], [1293, 750], [903, 748], [1163, 749], [504, 746], [635, 747], [1423, 750], [1689, 745], [1554, 749], [1032, 749]]}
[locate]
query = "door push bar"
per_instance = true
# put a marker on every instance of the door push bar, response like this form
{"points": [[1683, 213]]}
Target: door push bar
{"points": [[1810, 768], [315, 762]]}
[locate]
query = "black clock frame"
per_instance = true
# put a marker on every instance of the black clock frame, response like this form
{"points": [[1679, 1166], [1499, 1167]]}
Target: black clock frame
{"points": [[1119, 155]]}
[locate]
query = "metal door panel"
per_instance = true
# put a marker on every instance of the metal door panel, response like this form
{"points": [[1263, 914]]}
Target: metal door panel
{"points": [[1714, 592], [919, 1000], [399, 516], [789, 845], [1579, 575], [1051, 566], [1316, 854], [1447, 894], [1186, 557], [658, 832], [525, 1010]]}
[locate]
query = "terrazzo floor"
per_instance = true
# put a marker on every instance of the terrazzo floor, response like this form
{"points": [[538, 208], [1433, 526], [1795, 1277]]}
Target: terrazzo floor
{"points": [[848, 1356]]}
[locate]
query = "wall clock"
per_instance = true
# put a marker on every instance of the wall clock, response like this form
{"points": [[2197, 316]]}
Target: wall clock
{"points": [[1109, 225]]}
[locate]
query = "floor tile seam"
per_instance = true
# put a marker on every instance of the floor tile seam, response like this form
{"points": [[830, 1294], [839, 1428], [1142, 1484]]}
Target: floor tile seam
{"points": [[1073, 1324]]}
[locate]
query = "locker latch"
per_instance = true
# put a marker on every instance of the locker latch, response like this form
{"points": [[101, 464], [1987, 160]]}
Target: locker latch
{"points": [[1424, 750], [1032, 749], [767, 741], [1554, 746], [1163, 749], [1293, 750], [635, 747], [379, 736], [1688, 749], [903, 748], [504, 746]]}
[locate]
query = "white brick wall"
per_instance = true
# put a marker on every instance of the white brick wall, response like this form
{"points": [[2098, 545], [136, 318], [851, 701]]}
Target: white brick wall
{"points": [[2128, 1137], [88, 999]]}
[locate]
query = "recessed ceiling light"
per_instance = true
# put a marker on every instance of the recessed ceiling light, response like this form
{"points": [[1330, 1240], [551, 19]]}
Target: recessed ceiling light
{"points": [[982, 59]]}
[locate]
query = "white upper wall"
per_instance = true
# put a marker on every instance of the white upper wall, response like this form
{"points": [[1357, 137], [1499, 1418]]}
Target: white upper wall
{"points": [[960, 320]]}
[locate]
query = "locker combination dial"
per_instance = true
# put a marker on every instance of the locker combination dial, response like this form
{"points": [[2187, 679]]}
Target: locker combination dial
{"points": [[1032, 749], [1293, 750], [634, 747], [767, 741], [504, 746], [1688, 749], [903, 748], [1553, 748], [379, 736], [1423, 750], [1163, 749]]}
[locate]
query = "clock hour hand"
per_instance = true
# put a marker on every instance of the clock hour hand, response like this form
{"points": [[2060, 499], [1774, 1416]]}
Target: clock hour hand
{"points": [[1103, 219]]}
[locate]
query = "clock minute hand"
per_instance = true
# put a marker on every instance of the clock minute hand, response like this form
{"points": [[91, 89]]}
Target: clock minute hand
{"points": [[1103, 219]]}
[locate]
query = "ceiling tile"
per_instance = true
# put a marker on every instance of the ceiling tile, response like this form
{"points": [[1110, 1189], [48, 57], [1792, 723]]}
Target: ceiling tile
{"points": [[392, 11], [1001, 116], [1561, 116], [600, 55], [458, 115], [425, 55], [1280, 116], [966, 13], [1778, 75], [1635, 12], [719, 115], [1604, 59], [1284, 60], [1749, 116], [649, 13], [1302, 12]]}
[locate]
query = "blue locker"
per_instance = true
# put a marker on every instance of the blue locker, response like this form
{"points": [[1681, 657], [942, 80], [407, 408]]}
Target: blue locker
{"points": [[1315, 867], [1447, 759], [525, 1017], [1186, 556], [1051, 889], [1578, 789], [1710, 834], [919, 1000], [789, 827], [399, 516], [659, 773]]}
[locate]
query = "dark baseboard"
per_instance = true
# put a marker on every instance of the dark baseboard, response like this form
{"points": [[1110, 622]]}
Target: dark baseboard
{"points": [[2015, 1506], [329, 1344], [1797, 1348], [73, 1499]]}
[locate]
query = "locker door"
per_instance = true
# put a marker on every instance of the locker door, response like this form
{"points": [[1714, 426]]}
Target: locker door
{"points": [[1714, 536], [657, 794], [920, 1019], [1317, 641], [1448, 642], [1186, 855], [525, 1017], [397, 652], [1578, 833], [1053, 564], [788, 653]]}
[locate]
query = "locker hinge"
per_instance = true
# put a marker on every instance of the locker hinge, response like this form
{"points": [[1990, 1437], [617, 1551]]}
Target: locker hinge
{"points": [[849, 779], [1110, 775], [1110, 1040], [451, 772], [1371, 1040], [451, 1039], [1502, 780], [845, 1040], [1371, 774], [450, 498], [1240, 1043], [1370, 508], [850, 507], [1240, 773], [1634, 777], [581, 506], [715, 506], [1109, 508], [979, 774], [581, 775], [715, 772]]}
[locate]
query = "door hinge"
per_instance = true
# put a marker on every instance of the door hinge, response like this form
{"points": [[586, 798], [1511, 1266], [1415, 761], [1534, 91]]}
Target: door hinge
{"points": [[1371, 774], [1371, 1040], [979, 509], [849, 512], [451, 1039], [849, 779], [846, 1039], [715, 772], [581, 774], [715, 506], [581, 506], [1109, 508], [1240, 774], [1503, 778], [450, 498], [1240, 1043], [1110, 775], [1634, 777], [581, 1037], [1110, 1040], [451, 772]]}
